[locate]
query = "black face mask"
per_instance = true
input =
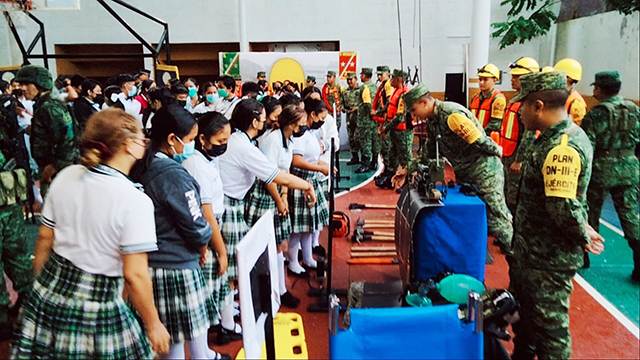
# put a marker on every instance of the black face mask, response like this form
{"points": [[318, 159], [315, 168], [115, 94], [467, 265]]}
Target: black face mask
{"points": [[182, 103], [277, 89], [303, 129], [99, 99], [217, 150], [317, 125]]}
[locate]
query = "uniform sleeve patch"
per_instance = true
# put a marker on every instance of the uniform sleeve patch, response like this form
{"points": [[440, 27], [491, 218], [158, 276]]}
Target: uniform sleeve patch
{"points": [[366, 95], [498, 106], [464, 128], [560, 171], [401, 107], [578, 111]]}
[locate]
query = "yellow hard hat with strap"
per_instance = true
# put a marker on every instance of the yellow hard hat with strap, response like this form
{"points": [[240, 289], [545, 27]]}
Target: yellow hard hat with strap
{"points": [[571, 67], [524, 66], [489, 70], [547, 69]]}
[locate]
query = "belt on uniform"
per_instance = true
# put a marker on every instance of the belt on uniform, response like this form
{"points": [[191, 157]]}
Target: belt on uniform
{"points": [[613, 153]]}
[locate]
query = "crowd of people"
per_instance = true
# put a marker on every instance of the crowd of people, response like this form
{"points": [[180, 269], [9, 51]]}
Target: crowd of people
{"points": [[149, 189]]}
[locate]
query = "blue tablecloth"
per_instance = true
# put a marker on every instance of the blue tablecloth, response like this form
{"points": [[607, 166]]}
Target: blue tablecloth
{"points": [[451, 238]]}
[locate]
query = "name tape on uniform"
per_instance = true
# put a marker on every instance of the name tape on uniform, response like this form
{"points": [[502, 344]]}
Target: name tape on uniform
{"points": [[464, 128], [561, 169]]}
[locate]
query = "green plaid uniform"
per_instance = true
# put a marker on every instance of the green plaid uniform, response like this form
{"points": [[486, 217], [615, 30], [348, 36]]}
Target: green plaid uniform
{"points": [[257, 202], [217, 286], [233, 228], [304, 218], [73, 314], [184, 306]]}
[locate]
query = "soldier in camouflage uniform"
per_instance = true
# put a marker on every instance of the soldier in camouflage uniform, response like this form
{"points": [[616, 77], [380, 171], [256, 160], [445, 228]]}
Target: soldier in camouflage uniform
{"points": [[613, 126], [551, 227], [400, 133], [351, 101], [474, 155], [332, 95], [52, 134], [15, 259], [367, 129], [379, 114]]}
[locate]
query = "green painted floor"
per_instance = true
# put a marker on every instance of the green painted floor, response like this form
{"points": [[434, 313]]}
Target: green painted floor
{"points": [[348, 171]]}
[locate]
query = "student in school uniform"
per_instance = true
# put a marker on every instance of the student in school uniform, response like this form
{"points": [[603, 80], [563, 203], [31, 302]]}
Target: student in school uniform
{"points": [[277, 148], [213, 133], [97, 229], [183, 234], [306, 221], [273, 109], [240, 165]]}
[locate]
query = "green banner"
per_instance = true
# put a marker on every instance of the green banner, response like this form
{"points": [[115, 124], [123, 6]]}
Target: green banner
{"points": [[231, 63]]}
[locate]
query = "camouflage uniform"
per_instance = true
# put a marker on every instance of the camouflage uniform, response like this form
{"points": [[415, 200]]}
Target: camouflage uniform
{"points": [[550, 232], [512, 180], [351, 103], [329, 97], [15, 259], [474, 156], [613, 127], [52, 136], [401, 139], [367, 129]]}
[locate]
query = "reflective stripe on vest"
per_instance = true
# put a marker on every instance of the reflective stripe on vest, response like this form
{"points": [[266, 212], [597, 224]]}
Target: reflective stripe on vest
{"points": [[483, 111], [327, 91], [509, 130], [392, 111]]}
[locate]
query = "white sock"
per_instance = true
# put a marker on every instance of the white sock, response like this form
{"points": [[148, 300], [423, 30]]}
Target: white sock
{"points": [[281, 275], [176, 351], [199, 348], [316, 238], [307, 250], [294, 241], [226, 316]]}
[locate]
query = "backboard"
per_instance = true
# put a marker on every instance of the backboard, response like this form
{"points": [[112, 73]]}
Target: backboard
{"points": [[20, 5]]}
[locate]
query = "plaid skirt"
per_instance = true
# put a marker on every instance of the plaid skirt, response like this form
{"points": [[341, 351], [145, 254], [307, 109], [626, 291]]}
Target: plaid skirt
{"points": [[233, 228], [183, 304], [217, 286], [73, 314], [304, 218], [257, 202]]}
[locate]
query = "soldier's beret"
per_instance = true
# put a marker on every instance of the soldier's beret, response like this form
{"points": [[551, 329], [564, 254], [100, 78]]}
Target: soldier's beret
{"points": [[351, 75], [413, 95], [607, 78], [311, 78], [554, 80], [368, 71], [238, 76], [262, 74], [331, 73], [381, 69], [399, 73], [35, 74]]}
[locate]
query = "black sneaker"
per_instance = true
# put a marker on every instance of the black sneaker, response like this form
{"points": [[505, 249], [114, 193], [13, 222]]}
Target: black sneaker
{"points": [[290, 301], [226, 336]]}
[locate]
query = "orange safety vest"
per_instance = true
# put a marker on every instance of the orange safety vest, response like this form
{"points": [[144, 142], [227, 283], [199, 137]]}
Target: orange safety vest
{"points": [[483, 111], [392, 110], [379, 99], [326, 92], [509, 130]]}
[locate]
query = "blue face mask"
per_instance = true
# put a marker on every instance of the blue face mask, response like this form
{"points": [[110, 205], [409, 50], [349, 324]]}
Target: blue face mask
{"points": [[211, 98], [187, 151], [133, 92], [223, 93], [192, 92]]}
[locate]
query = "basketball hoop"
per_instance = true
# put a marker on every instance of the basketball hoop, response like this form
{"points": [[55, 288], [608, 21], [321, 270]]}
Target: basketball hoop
{"points": [[16, 5]]}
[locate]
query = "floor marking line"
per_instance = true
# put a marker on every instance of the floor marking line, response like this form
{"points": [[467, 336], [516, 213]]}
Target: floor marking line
{"points": [[612, 227], [628, 324], [364, 183]]}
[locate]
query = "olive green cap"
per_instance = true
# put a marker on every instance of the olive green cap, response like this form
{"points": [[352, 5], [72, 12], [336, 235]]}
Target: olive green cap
{"points": [[331, 73], [351, 75], [237, 77], [531, 83], [400, 73], [413, 95], [311, 78], [367, 71], [262, 74], [35, 74], [382, 69], [607, 78]]}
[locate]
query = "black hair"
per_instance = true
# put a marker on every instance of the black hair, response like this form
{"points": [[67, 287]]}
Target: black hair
{"points": [[294, 86], [291, 114], [210, 124], [270, 103], [207, 85], [161, 94], [174, 82], [552, 99], [610, 90], [124, 78], [228, 82], [244, 113], [144, 87], [314, 105], [88, 84], [289, 99], [262, 83], [179, 89], [249, 88], [309, 90], [194, 81], [77, 80], [111, 89], [3, 86]]}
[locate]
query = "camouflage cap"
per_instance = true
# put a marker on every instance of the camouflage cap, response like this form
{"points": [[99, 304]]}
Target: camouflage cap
{"points": [[261, 74], [368, 71], [382, 69], [351, 75], [237, 77], [400, 73], [607, 78], [553, 80], [413, 95], [331, 73], [311, 78], [35, 74]]}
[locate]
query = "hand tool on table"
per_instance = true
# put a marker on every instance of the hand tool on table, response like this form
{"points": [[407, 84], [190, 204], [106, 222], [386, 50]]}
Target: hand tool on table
{"points": [[360, 235], [387, 260], [357, 206], [390, 224]]}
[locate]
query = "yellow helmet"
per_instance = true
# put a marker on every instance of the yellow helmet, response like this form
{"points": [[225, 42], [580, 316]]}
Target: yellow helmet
{"points": [[571, 67], [524, 66], [547, 69], [489, 70]]}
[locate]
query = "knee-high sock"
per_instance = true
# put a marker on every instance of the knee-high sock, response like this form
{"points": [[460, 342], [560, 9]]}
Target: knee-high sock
{"points": [[199, 348], [307, 250], [281, 275], [292, 254], [176, 351], [226, 316], [316, 238]]}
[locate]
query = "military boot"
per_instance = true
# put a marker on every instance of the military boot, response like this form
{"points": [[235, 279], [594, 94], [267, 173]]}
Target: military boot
{"points": [[587, 261], [373, 164], [354, 159], [635, 275], [365, 167]]}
